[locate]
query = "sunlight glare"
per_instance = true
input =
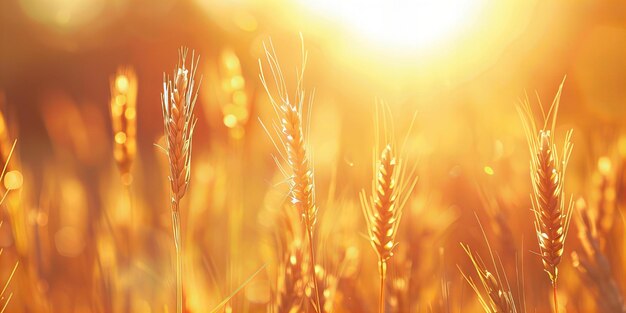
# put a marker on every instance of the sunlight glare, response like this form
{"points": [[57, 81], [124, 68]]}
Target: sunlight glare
{"points": [[400, 23]]}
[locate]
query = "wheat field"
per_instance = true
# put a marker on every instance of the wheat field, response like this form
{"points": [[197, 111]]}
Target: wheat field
{"points": [[312, 156]]}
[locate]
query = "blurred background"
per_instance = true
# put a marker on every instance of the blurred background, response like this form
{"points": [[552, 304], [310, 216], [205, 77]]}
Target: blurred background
{"points": [[88, 240]]}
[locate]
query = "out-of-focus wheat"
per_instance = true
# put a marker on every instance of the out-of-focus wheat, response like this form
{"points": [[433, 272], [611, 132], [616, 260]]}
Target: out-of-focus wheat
{"points": [[399, 282], [5, 141], [292, 148], [552, 210], [124, 120], [603, 197], [178, 101], [499, 298], [234, 101], [4, 300], [593, 264], [291, 282]]}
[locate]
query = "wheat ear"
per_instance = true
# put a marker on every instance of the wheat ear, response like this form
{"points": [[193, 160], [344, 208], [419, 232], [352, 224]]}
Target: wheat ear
{"points": [[547, 172], [291, 146], [178, 101], [391, 188], [124, 120]]}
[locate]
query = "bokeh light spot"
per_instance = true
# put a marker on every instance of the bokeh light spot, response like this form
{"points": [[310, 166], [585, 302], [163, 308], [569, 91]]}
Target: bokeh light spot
{"points": [[230, 120], [122, 83], [13, 180], [488, 170], [120, 138], [237, 82], [69, 241], [130, 113], [604, 165]]}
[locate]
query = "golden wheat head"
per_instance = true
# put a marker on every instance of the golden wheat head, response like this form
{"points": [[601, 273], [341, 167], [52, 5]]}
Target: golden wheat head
{"points": [[551, 209], [178, 101], [391, 187], [290, 139]]}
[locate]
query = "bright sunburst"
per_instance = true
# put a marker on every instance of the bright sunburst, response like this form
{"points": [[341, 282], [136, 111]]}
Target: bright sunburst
{"points": [[400, 23]]}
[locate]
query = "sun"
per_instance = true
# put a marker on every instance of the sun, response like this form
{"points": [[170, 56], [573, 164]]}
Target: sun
{"points": [[400, 23]]}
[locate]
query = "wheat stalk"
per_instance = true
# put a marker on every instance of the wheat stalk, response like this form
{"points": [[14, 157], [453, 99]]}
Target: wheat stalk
{"points": [[391, 188], [178, 101], [124, 120], [292, 148], [547, 171]]}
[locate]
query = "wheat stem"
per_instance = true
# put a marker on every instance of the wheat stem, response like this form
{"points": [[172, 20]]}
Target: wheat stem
{"points": [[556, 298], [179, 264], [312, 256], [383, 274]]}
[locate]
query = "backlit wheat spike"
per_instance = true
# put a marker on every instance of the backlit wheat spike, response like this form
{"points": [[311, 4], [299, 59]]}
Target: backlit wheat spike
{"points": [[391, 189], [382, 214], [551, 209], [302, 181], [178, 101], [124, 120], [290, 142]]}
